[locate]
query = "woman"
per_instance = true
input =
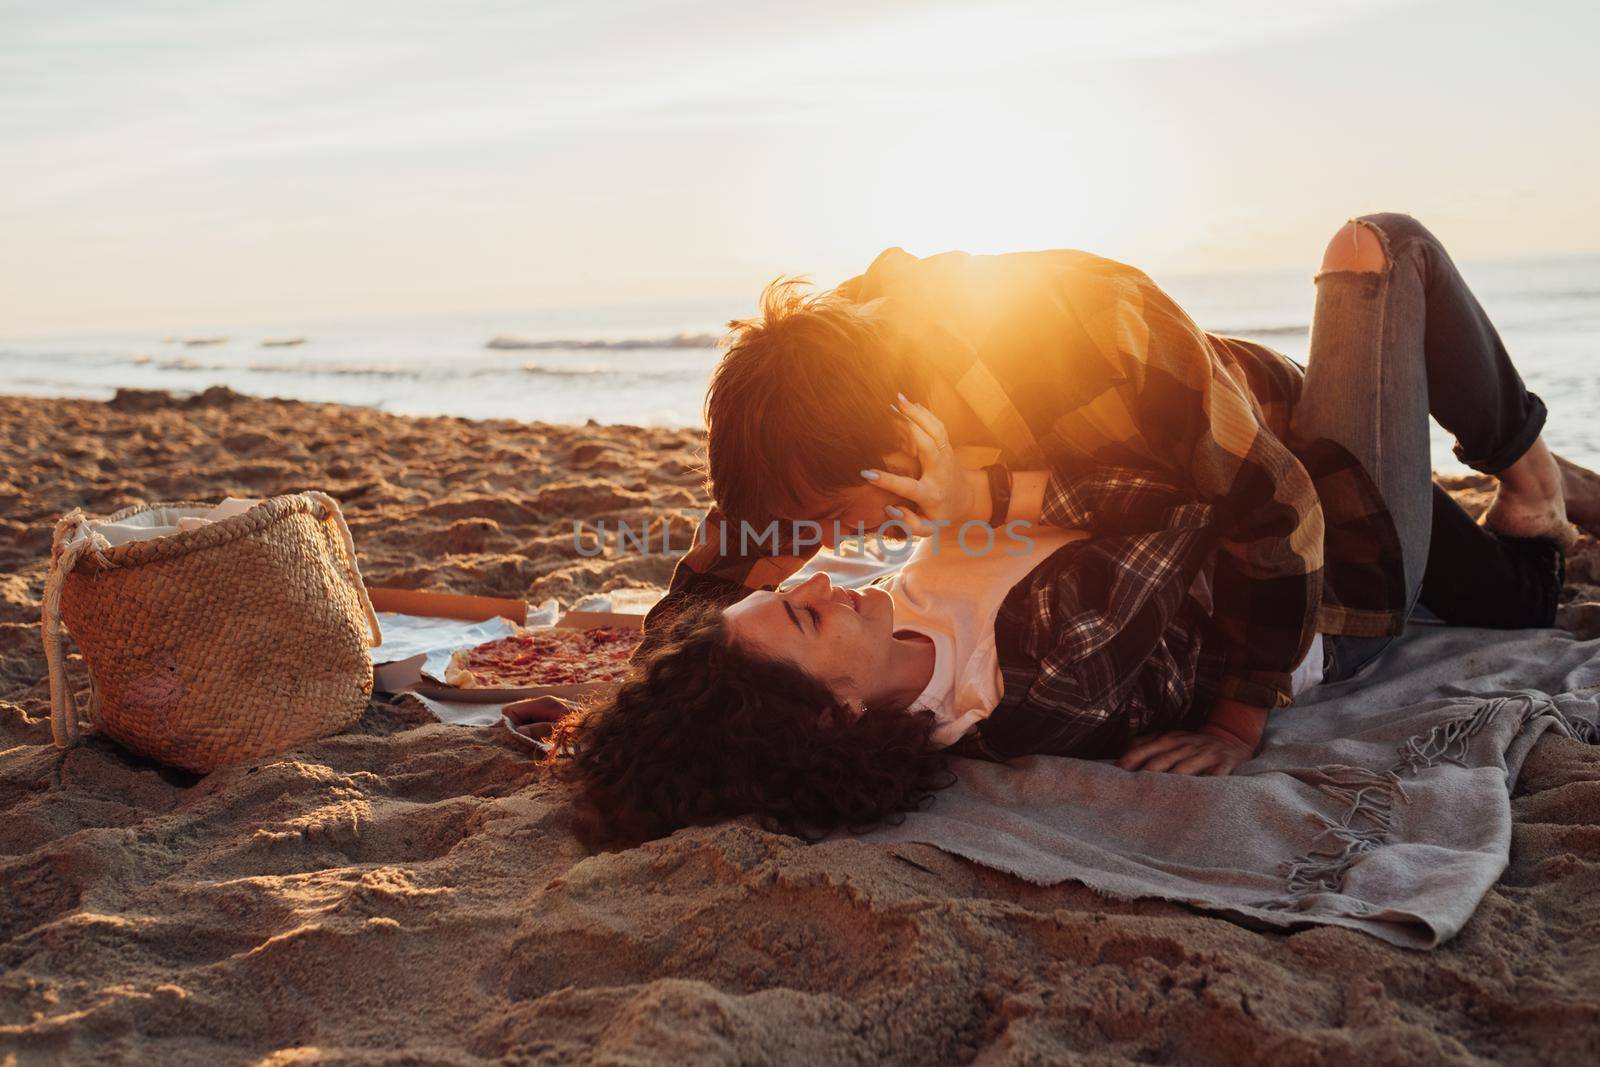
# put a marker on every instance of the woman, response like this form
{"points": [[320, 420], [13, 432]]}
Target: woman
{"points": [[816, 707]]}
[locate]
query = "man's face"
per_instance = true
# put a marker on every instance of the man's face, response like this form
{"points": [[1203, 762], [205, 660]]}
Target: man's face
{"points": [[859, 509]]}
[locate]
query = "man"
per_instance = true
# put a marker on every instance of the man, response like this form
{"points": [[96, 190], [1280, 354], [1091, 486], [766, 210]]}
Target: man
{"points": [[1062, 364]]}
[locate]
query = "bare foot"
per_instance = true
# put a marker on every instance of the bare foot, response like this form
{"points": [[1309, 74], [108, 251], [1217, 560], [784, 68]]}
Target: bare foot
{"points": [[1530, 501], [1581, 489]]}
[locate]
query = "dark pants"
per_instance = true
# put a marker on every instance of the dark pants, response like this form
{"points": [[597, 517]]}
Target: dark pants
{"points": [[1388, 349]]}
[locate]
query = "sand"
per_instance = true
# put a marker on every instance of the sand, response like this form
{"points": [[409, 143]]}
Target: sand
{"points": [[412, 892]]}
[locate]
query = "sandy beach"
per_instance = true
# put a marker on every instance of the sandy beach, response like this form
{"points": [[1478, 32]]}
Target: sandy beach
{"points": [[415, 892]]}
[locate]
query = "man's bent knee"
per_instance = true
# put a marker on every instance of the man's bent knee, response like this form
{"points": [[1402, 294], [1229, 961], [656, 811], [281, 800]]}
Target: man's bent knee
{"points": [[1358, 247]]}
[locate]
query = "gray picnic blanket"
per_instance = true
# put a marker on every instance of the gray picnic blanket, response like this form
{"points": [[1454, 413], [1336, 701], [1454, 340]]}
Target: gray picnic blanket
{"points": [[1381, 803]]}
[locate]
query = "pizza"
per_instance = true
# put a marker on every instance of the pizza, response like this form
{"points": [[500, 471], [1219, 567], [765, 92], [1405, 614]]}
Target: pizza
{"points": [[544, 656]]}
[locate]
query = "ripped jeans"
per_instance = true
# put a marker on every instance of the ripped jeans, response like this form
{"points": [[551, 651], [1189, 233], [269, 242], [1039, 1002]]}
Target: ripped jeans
{"points": [[1389, 348]]}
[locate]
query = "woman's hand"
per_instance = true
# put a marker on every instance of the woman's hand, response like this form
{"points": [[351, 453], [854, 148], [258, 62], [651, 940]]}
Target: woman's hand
{"points": [[536, 717], [1202, 752], [539, 709], [947, 493]]}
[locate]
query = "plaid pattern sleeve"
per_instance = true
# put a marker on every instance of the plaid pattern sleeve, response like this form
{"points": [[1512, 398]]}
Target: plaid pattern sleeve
{"points": [[1103, 641]]}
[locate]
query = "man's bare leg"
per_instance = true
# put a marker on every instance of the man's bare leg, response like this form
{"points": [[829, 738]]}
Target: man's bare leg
{"points": [[1580, 487], [1531, 501]]}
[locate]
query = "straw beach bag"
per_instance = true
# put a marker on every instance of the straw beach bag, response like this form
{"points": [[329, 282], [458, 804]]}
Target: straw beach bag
{"points": [[239, 638]]}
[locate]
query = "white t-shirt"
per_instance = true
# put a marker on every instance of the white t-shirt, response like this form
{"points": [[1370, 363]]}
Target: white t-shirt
{"points": [[1309, 672], [953, 599]]}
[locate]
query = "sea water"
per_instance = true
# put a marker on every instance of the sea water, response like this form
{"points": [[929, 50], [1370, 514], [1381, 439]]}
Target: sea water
{"points": [[648, 364]]}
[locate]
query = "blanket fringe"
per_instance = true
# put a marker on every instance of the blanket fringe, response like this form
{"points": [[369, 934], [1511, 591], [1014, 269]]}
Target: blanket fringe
{"points": [[1449, 741], [1368, 797], [1580, 729]]}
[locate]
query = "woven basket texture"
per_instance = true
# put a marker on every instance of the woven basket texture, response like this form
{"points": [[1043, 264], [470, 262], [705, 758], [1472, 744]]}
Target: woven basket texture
{"points": [[237, 640]]}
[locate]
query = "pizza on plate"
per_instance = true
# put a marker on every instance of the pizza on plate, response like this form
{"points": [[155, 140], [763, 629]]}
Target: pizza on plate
{"points": [[544, 656]]}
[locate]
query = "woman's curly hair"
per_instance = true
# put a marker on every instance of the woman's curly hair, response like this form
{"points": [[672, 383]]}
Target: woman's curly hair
{"points": [[704, 729]]}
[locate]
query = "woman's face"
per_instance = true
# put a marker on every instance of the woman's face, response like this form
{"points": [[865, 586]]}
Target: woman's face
{"points": [[841, 637]]}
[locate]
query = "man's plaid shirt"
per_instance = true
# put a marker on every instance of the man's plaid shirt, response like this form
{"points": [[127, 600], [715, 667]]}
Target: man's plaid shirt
{"points": [[1111, 637], [1084, 366]]}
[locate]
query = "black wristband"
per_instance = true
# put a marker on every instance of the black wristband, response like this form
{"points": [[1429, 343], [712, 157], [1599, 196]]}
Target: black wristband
{"points": [[999, 494]]}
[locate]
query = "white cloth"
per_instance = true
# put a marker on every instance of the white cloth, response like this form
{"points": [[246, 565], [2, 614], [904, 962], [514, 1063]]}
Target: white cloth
{"points": [[1309, 672], [164, 522], [953, 597]]}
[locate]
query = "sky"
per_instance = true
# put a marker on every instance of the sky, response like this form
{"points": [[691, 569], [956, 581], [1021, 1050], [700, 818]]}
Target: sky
{"points": [[205, 162]]}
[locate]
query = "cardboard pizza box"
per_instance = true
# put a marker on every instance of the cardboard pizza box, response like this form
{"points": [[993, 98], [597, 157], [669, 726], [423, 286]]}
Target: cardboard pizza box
{"points": [[594, 620], [574, 620]]}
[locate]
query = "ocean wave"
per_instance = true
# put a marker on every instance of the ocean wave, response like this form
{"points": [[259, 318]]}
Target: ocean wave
{"points": [[682, 340], [1544, 295], [440, 371], [352, 370], [1291, 330], [566, 372]]}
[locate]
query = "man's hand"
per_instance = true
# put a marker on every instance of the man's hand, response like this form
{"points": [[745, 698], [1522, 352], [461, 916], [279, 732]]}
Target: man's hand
{"points": [[1229, 737], [1206, 751], [947, 493]]}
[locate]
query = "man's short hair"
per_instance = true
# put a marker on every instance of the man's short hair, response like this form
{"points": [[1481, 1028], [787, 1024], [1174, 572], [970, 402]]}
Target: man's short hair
{"points": [[799, 404]]}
